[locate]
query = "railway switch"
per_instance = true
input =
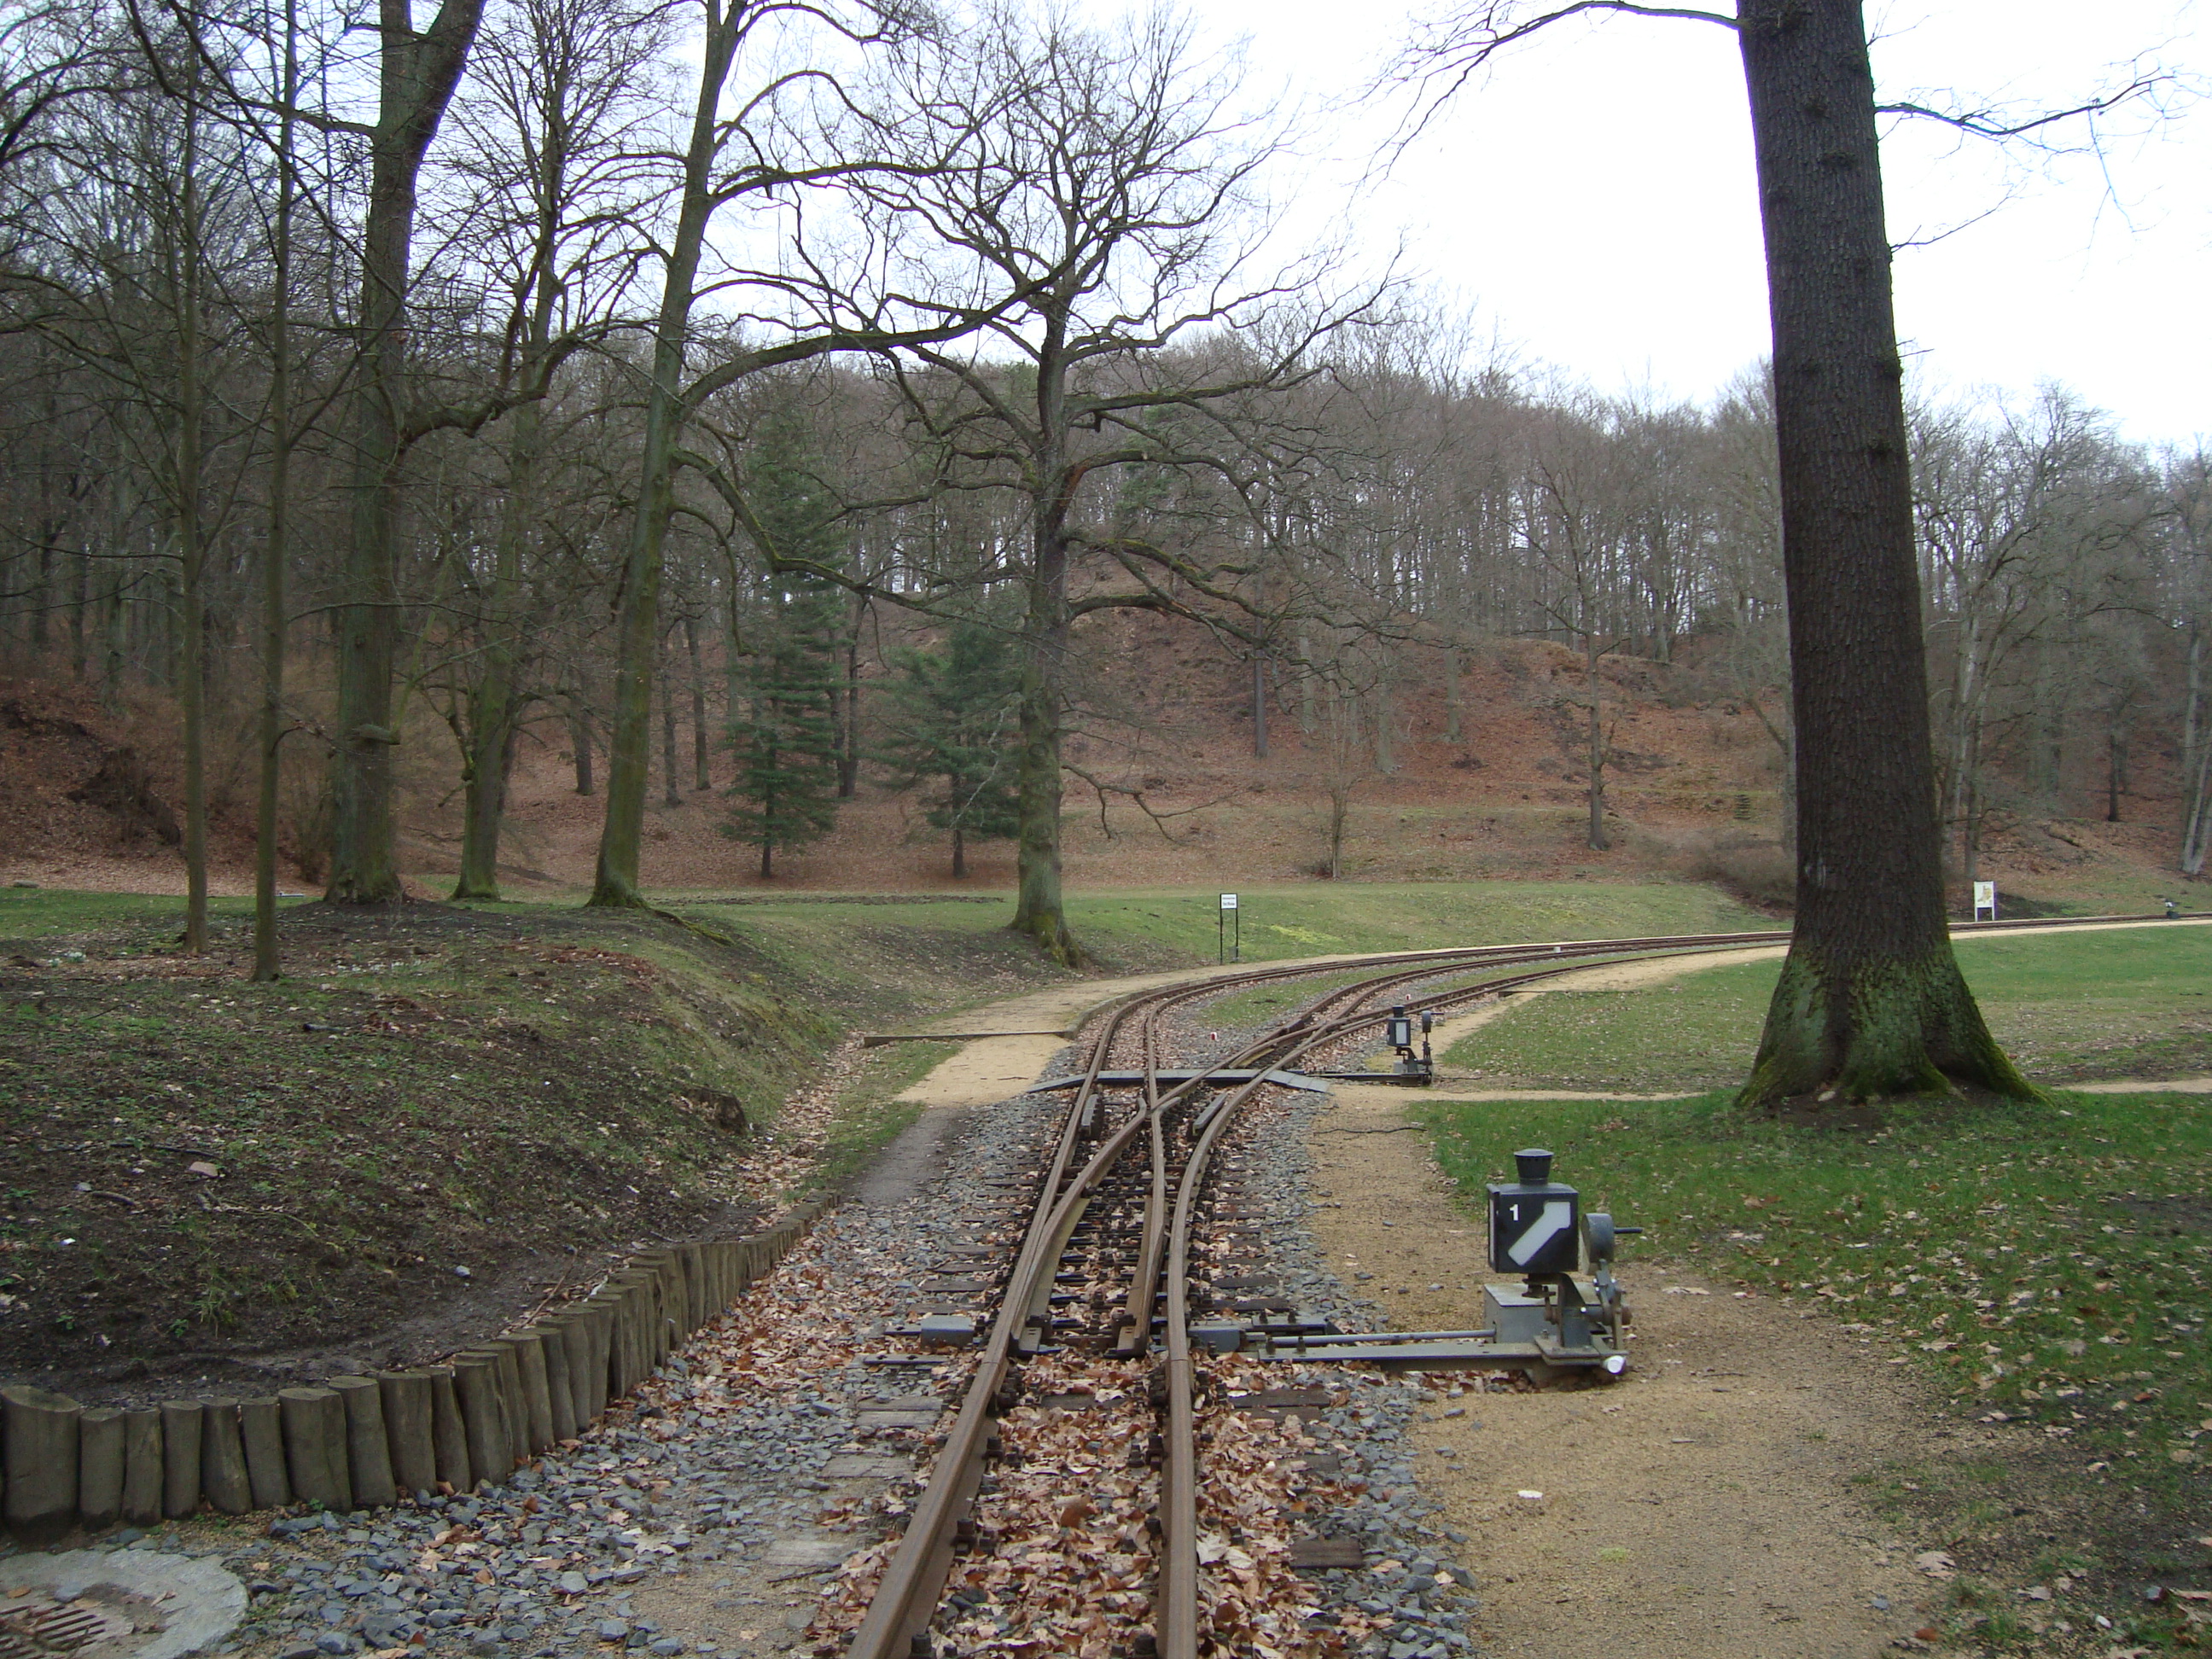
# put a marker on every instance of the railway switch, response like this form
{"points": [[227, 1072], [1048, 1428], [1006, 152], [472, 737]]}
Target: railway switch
{"points": [[1399, 1032], [1554, 1321]]}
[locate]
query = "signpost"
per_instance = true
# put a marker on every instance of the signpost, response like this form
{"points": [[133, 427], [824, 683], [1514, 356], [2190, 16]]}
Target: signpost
{"points": [[1231, 948], [1985, 898]]}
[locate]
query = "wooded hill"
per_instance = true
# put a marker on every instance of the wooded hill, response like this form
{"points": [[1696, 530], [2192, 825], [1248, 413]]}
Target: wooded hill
{"points": [[409, 436]]}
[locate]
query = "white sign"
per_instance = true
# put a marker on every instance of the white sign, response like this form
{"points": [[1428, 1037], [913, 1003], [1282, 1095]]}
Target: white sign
{"points": [[1228, 901], [1985, 898], [1558, 1216]]}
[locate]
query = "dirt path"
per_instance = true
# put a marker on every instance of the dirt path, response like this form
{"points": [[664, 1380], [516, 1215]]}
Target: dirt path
{"points": [[1701, 1508]]}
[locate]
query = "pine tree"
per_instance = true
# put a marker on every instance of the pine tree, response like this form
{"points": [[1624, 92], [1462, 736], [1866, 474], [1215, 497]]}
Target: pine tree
{"points": [[783, 723], [786, 731], [953, 718]]}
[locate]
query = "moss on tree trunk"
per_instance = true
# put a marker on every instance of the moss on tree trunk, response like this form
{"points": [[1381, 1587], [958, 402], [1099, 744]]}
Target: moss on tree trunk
{"points": [[1875, 1030]]}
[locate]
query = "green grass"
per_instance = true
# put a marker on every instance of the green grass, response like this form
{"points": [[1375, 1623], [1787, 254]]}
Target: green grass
{"points": [[867, 1117], [2051, 1259], [2067, 1006], [1160, 927], [38, 913]]}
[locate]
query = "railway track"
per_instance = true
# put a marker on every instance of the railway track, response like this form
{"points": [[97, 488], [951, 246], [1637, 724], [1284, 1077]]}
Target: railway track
{"points": [[1101, 1281]]}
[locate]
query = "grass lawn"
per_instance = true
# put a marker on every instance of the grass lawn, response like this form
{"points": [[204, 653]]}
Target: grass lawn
{"points": [[1137, 928], [33, 912], [2068, 1006]]}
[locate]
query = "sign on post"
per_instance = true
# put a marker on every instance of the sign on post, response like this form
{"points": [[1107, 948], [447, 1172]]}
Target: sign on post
{"points": [[1985, 898], [1231, 949]]}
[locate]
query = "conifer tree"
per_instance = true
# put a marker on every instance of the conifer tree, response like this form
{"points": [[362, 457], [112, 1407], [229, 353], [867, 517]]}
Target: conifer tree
{"points": [[953, 719], [783, 723], [784, 734]]}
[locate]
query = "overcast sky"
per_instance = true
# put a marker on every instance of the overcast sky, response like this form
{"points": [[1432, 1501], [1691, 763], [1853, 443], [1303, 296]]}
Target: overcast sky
{"points": [[1592, 199]]}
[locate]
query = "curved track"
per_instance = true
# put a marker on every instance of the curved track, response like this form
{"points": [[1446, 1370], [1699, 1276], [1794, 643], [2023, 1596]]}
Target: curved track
{"points": [[1128, 1166]]}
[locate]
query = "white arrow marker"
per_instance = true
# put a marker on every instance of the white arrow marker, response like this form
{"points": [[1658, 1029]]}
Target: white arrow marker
{"points": [[1557, 1217]]}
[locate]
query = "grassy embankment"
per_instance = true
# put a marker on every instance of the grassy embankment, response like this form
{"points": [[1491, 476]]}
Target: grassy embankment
{"points": [[2046, 1266], [515, 1093]]}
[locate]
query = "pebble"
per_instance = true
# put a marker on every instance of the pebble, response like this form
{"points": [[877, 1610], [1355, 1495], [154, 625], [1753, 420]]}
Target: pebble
{"points": [[1394, 1519]]}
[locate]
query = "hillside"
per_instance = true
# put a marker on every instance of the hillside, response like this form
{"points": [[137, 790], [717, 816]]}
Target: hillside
{"points": [[1693, 790]]}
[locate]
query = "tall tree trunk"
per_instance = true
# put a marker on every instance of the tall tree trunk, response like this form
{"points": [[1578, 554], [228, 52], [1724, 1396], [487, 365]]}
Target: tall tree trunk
{"points": [[416, 75], [495, 702], [192, 692], [1970, 844], [39, 589], [702, 780], [1870, 1002], [670, 795], [80, 601], [267, 963], [114, 628], [1258, 707], [637, 618], [848, 735], [1039, 910], [959, 849], [1454, 668], [579, 739], [1597, 840], [1307, 717], [2196, 761], [2196, 821]]}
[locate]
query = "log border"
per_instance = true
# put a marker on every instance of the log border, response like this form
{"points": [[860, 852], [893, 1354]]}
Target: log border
{"points": [[347, 1443]]}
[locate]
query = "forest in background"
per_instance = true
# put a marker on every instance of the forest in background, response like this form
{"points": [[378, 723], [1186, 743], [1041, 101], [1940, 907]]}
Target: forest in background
{"points": [[759, 397]]}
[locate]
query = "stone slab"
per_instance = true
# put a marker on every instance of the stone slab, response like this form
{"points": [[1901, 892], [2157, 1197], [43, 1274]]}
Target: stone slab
{"points": [[200, 1602]]}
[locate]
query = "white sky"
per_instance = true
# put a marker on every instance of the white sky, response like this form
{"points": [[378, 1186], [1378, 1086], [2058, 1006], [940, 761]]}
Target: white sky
{"points": [[1591, 200]]}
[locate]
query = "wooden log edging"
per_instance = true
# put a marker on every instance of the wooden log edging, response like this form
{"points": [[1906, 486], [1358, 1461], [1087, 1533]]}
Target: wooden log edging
{"points": [[362, 1442]]}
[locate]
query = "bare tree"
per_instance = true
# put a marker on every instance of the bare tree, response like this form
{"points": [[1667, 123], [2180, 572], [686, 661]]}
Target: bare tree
{"points": [[2188, 608], [1572, 521], [1108, 188], [799, 132], [553, 134], [417, 72]]}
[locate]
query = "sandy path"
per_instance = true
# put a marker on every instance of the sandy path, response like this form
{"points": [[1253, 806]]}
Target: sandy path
{"points": [[1701, 1508]]}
